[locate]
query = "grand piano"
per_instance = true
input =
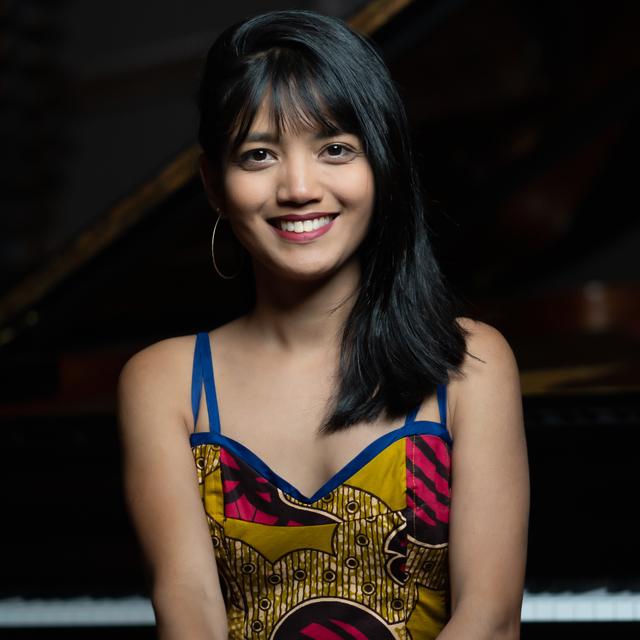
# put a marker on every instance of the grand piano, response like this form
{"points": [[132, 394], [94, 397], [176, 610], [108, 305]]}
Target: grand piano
{"points": [[525, 120]]}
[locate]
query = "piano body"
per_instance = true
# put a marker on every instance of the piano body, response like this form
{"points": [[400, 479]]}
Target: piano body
{"points": [[525, 118]]}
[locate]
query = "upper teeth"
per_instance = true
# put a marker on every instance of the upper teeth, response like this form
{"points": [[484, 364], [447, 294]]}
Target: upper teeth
{"points": [[300, 226]]}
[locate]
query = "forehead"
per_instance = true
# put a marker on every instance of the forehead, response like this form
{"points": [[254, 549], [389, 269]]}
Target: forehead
{"points": [[291, 116], [265, 117], [296, 123]]}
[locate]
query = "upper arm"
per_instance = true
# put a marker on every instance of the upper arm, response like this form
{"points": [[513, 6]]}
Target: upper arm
{"points": [[490, 481], [160, 478]]}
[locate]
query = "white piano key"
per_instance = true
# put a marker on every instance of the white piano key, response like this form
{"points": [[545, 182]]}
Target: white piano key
{"points": [[563, 609], [593, 606], [623, 607], [528, 609], [597, 606], [583, 610], [90, 612], [544, 609], [603, 609]]}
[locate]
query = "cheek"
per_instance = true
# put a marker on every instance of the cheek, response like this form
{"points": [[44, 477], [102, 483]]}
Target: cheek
{"points": [[245, 192], [357, 187]]}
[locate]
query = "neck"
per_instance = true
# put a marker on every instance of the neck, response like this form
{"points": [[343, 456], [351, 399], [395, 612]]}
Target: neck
{"points": [[299, 315]]}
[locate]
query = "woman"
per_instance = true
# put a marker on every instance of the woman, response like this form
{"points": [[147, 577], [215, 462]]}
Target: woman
{"points": [[335, 505]]}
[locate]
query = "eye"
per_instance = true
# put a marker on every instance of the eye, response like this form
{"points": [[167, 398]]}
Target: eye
{"points": [[340, 152], [254, 158]]}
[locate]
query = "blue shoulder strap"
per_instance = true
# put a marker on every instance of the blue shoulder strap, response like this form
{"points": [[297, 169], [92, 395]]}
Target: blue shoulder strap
{"points": [[411, 416], [203, 372], [442, 403], [441, 391]]}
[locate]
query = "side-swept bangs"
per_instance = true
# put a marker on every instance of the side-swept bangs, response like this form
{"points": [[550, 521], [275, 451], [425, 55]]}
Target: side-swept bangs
{"points": [[297, 95], [314, 71]]}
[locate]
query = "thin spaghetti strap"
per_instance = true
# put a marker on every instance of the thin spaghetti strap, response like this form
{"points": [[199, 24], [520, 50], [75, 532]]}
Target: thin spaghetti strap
{"points": [[442, 403], [210, 386], [441, 391], [411, 416], [196, 380], [203, 372]]}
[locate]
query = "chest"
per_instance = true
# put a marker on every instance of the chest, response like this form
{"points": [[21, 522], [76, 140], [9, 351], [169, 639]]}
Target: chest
{"points": [[275, 409]]}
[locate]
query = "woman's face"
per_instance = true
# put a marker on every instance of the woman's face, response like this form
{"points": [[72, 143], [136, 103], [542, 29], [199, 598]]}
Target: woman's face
{"points": [[301, 204]]}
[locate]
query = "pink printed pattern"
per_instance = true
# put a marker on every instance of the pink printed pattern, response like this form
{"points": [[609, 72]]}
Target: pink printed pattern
{"points": [[251, 497], [428, 488], [333, 620], [321, 632]]}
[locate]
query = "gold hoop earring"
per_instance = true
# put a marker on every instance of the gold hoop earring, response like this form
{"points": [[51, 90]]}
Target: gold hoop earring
{"points": [[213, 254]]}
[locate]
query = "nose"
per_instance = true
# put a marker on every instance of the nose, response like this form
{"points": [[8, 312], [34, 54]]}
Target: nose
{"points": [[298, 182]]}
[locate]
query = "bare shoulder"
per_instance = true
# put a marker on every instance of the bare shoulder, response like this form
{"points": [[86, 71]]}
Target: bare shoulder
{"points": [[160, 359], [487, 349], [159, 375], [489, 372]]}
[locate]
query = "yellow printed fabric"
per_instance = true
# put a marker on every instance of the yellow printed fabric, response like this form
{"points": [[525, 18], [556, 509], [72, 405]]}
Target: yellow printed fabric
{"points": [[367, 559]]}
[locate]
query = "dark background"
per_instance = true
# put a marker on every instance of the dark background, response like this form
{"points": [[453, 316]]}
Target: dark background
{"points": [[525, 121]]}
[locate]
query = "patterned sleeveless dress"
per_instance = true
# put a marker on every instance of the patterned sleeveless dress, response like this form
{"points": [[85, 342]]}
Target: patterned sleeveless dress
{"points": [[364, 557]]}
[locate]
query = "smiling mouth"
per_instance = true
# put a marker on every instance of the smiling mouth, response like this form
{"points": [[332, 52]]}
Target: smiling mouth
{"points": [[302, 224]]}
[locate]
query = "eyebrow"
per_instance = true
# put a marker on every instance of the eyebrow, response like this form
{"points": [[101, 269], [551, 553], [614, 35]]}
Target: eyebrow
{"points": [[261, 136], [266, 136]]}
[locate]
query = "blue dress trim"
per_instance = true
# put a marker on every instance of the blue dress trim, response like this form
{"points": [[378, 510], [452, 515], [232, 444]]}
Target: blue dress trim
{"points": [[442, 403], [419, 427]]}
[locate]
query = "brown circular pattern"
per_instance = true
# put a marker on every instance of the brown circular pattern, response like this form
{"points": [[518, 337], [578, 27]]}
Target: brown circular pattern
{"points": [[328, 497], [274, 578], [299, 574], [257, 625], [265, 604], [329, 575], [248, 568], [362, 540], [200, 463], [215, 541], [397, 604], [352, 507], [352, 562], [368, 588]]}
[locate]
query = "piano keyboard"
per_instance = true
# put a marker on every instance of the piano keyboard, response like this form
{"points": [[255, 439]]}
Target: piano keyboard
{"points": [[598, 605], [592, 606]]}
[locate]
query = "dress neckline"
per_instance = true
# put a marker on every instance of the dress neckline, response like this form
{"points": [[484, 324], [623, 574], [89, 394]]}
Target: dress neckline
{"points": [[357, 463], [203, 374]]}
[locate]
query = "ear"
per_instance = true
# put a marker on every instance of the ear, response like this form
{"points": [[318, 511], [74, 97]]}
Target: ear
{"points": [[211, 185]]}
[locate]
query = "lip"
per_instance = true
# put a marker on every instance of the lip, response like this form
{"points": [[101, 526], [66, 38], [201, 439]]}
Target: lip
{"points": [[305, 236], [305, 216]]}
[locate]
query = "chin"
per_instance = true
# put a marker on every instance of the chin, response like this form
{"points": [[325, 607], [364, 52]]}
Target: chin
{"points": [[309, 275], [319, 267], [310, 272]]}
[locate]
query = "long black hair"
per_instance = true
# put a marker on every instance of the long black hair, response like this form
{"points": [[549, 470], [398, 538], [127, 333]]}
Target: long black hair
{"points": [[401, 337]]}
